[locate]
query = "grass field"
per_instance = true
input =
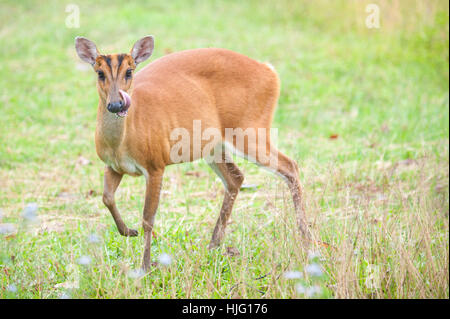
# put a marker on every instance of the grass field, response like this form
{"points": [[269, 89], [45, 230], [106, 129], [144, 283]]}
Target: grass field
{"points": [[365, 112]]}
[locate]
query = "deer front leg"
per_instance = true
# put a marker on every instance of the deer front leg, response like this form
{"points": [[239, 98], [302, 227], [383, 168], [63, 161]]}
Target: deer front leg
{"points": [[152, 193], [112, 181]]}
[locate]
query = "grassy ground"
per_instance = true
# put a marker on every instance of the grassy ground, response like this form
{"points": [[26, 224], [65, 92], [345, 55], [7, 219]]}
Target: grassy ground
{"points": [[365, 112]]}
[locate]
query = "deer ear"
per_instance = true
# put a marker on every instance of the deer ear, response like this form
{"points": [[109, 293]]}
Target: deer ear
{"points": [[142, 49], [86, 50]]}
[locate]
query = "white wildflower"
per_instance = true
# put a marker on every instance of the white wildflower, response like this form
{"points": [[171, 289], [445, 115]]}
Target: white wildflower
{"points": [[314, 270], [313, 255], [68, 285], [300, 288], [11, 288], [165, 259], [293, 275], [65, 295], [313, 291], [94, 238], [136, 273], [84, 260], [7, 229], [29, 212]]}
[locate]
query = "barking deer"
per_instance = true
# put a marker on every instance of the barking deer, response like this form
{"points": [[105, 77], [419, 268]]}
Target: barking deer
{"points": [[138, 113]]}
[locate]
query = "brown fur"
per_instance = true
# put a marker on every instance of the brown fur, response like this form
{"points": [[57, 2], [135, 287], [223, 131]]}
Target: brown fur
{"points": [[221, 88]]}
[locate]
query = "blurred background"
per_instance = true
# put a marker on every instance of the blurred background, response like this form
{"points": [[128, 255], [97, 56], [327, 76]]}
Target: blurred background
{"points": [[364, 109]]}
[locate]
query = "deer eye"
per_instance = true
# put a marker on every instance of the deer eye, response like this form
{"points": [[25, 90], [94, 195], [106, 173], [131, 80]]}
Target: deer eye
{"points": [[101, 75], [128, 74]]}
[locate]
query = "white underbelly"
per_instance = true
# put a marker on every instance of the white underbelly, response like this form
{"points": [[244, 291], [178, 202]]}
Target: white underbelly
{"points": [[126, 165]]}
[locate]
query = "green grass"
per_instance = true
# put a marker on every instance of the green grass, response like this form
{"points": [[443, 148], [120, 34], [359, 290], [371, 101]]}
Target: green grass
{"points": [[378, 192]]}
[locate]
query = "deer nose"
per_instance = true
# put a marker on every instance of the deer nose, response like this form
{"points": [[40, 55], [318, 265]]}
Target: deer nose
{"points": [[115, 107]]}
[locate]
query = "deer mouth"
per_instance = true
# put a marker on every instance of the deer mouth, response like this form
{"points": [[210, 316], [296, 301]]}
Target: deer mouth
{"points": [[126, 103]]}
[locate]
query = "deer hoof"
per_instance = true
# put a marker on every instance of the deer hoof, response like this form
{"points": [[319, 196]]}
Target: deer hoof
{"points": [[129, 232]]}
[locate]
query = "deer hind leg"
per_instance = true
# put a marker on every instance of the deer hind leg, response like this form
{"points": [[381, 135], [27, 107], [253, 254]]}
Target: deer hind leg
{"points": [[232, 179], [112, 181], [277, 162], [288, 169]]}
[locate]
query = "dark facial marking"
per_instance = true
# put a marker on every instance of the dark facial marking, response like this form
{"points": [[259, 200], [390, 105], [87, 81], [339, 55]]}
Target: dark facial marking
{"points": [[120, 59], [107, 59]]}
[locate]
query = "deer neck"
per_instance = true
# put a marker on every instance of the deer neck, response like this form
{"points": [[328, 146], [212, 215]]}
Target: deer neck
{"points": [[111, 129]]}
